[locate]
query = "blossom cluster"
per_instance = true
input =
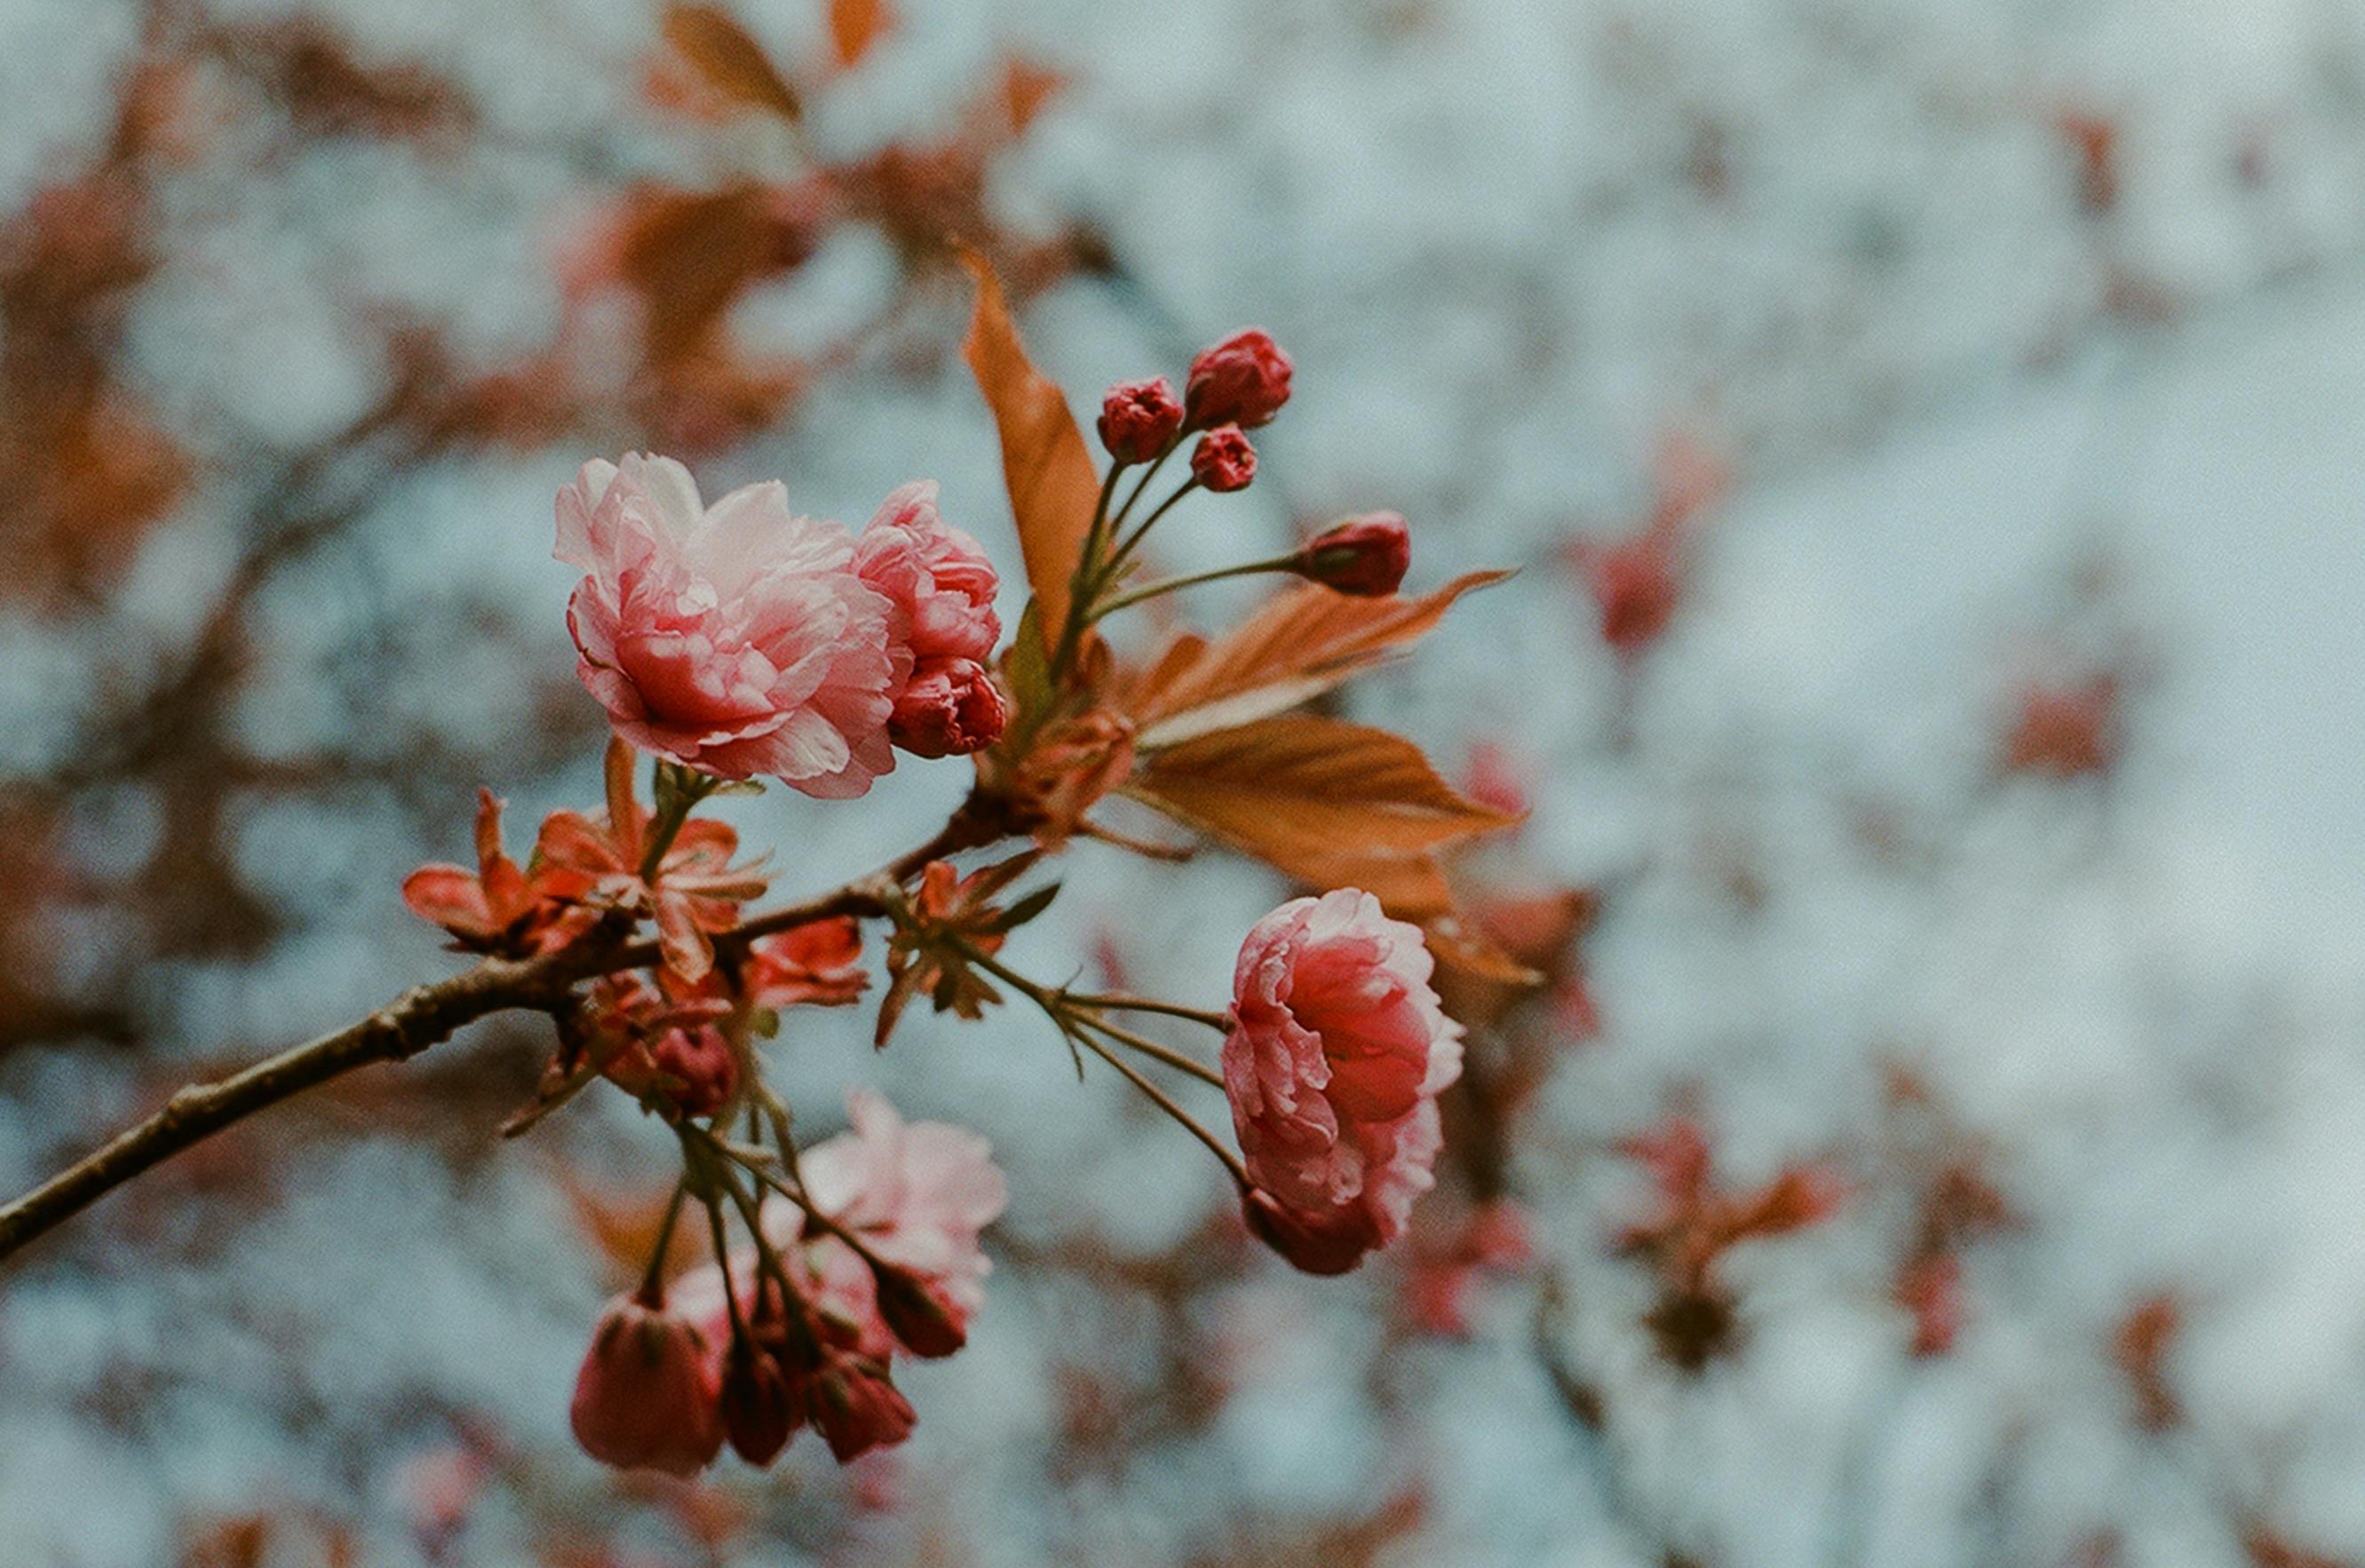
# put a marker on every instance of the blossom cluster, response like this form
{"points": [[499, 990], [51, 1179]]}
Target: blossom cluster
{"points": [[738, 639]]}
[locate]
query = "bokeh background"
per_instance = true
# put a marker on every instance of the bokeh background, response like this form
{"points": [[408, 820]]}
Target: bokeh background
{"points": [[1930, 433]]}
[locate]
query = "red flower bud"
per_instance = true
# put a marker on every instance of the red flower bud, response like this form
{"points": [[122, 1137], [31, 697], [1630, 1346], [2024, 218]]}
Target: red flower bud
{"points": [[1242, 381], [1224, 460], [855, 1406], [919, 1313], [950, 708], [760, 1411], [699, 1069], [647, 1395], [1138, 418], [1365, 557]]}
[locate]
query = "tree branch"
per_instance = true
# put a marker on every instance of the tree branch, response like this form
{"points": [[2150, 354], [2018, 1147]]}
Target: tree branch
{"points": [[420, 1017]]}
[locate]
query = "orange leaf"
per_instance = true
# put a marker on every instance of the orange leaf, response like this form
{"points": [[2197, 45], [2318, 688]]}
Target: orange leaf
{"points": [[855, 26], [1330, 804], [1053, 488], [1026, 88], [733, 63], [1306, 640]]}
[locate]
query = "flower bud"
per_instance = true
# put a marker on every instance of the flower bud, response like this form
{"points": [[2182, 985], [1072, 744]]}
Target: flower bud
{"points": [[1138, 418], [1242, 381], [855, 1405], [1365, 557], [760, 1411], [699, 1067], [1224, 460], [919, 1313], [950, 708], [648, 1393]]}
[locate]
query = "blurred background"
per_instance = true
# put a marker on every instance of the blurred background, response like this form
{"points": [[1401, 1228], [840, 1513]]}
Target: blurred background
{"points": [[1930, 435]]}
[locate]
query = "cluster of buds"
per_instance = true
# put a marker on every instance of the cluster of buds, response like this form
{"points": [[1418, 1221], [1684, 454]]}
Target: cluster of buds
{"points": [[1232, 386], [875, 1257]]}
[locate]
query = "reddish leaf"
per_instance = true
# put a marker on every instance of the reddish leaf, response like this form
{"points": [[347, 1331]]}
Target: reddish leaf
{"points": [[1053, 488], [855, 26], [1026, 88], [1306, 640], [1329, 803], [732, 63]]}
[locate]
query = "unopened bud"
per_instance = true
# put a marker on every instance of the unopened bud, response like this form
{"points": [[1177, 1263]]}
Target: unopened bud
{"points": [[855, 1406], [1224, 460], [760, 1411], [918, 1312], [1138, 418], [950, 708], [647, 1394], [1242, 381], [1366, 556]]}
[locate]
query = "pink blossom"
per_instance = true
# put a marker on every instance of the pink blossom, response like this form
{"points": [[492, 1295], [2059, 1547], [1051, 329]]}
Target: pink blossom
{"points": [[917, 1194], [736, 638], [649, 1393], [937, 578], [1333, 1066]]}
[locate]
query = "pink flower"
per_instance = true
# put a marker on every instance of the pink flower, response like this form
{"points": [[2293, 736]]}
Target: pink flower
{"points": [[917, 1194], [1336, 1058], [1242, 381], [1138, 418], [736, 638], [951, 709], [1365, 557], [938, 579], [649, 1393], [1224, 460]]}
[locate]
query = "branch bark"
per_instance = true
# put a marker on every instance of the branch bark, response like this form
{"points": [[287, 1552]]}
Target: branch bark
{"points": [[422, 1016]]}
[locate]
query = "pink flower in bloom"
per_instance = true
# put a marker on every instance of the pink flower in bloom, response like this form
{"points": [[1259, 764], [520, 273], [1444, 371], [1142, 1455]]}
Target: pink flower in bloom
{"points": [[736, 638], [1333, 1066], [917, 1194], [1224, 460], [938, 579], [649, 1394], [1138, 418], [1242, 381], [1366, 556]]}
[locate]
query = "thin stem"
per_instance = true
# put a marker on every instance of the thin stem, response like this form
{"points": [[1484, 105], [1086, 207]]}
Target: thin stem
{"points": [[1131, 542], [653, 1281], [1124, 1002], [723, 1263], [1147, 475], [1169, 585], [1165, 1103], [1152, 1048]]}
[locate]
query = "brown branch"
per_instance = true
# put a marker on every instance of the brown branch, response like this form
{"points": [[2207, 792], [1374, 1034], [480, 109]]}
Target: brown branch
{"points": [[418, 1018]]}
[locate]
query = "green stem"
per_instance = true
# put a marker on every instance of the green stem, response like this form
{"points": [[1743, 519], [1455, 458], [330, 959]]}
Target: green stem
{"points": [[653, 1281], [739, 1334], [1168, 585], [1124, 1003], [1152, 1049], [1165, 1103], [1131, 542]]}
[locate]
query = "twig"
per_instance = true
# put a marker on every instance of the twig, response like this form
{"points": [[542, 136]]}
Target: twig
{"points": [[420, 1017]]}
